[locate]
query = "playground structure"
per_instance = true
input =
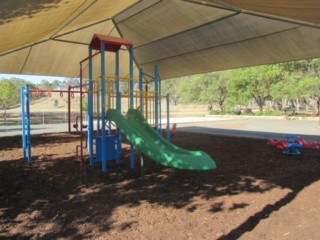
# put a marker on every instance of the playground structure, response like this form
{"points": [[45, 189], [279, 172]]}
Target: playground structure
{"points": [[25, 98], [101, 132], [74, 118], [142, 124], [291, 144], [103, 142]]}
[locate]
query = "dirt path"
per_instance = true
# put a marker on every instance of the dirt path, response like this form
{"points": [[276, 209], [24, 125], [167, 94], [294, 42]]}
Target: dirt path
{"points": [[256, 193]]}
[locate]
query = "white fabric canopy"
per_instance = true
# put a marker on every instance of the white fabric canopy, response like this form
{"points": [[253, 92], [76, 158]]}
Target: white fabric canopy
{"points": [[51, 37]]}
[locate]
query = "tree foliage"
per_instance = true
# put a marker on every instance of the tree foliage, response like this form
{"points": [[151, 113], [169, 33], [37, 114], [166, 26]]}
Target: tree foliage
{"points": [[9, 94], [209, 88], [282, 85], [214, 89], [253, 83], [173, 88], [10, 89], [286, 84]]}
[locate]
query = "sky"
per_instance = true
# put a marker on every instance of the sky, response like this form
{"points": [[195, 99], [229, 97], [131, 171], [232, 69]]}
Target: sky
{"points": [[32, 78]]}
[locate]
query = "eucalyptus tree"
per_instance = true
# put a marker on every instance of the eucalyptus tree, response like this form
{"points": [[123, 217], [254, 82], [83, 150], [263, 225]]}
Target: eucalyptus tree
{"points": [[253, 83], [209, 88]]}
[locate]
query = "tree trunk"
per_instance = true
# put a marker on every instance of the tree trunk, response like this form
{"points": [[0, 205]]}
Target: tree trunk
{"points": [[5, 115], [277, 105], [260, 102], [298, 105], [221, 102], [174, 100], [293, 106]]}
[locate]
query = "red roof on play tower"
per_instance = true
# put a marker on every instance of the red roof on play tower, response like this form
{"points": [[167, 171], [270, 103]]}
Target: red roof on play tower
{"points": [[111, 43]]}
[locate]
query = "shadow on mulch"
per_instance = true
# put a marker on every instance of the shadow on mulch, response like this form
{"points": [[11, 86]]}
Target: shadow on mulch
{"points": [[63, 194]]}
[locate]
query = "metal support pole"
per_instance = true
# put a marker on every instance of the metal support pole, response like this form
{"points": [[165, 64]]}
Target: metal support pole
{"points": [[156, 89], [160, 99], [131, 76], [141, 110], [141, 89], [81, 118], [117, 83], [168, 118], [118, 106], [131, 101], [147, 102], [69, 108], [28, 125], [23, 126], [119, 133], [98, 106], [103, 111], [90, 111]]}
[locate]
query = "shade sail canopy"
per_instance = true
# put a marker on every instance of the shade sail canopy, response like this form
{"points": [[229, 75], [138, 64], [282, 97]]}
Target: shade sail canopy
{"points": [[183, 37]]}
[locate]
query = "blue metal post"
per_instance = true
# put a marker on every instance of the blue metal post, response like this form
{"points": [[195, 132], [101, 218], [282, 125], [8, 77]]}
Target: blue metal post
{"points": [[118, 106], [98, 101], [90, 111], [103, 111], [119, 133], [117, 83], [131, 101], [141, 89], [118, 94], [28, 125], [160, 98], [156, 89], [23, 126], [168, 118], [131, 77]]}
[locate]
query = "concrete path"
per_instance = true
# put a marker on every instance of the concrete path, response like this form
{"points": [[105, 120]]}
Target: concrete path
{"points": [[256, 128], [252, 128], [35, 129]]}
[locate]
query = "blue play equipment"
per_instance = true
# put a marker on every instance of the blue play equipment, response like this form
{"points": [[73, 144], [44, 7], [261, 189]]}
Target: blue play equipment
{"points": [[25, 121], [104, 141], [292, 144], [142, 123]]}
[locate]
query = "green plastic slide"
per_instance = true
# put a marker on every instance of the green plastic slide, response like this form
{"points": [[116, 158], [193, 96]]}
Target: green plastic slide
{"points": [[146, 139]]}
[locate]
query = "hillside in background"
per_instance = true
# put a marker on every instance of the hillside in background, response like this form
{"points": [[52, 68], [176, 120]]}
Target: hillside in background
{"points": [[54, 110], [291, 88]]}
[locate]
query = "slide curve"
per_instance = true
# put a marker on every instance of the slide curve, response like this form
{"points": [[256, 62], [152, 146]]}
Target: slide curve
{"points": [[146, 139]]}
